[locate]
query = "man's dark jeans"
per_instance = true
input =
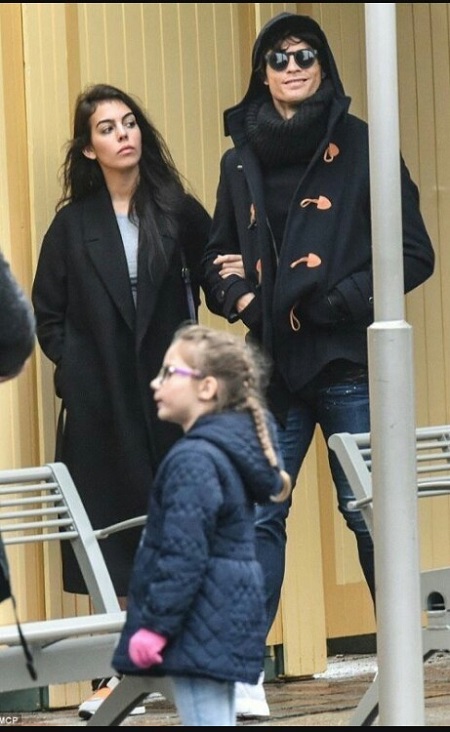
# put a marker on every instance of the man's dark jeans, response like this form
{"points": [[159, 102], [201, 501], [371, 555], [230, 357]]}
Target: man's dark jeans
{"points": [[336, 407]]}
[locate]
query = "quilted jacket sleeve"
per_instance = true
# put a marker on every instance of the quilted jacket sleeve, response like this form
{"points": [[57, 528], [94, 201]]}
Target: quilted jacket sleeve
{"points": [[191, 502]]}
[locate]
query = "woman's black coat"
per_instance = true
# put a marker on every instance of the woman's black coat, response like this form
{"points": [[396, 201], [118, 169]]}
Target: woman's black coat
{"points": [[106, 352]]}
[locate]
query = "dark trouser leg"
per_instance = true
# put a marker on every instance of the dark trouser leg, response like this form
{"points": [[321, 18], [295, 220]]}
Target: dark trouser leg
{"points": [[295, 439], [345, 408]]}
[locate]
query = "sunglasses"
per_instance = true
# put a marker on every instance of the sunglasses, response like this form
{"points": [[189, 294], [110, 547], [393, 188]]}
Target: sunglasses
{"points": [[167, 371], [279, 60]]}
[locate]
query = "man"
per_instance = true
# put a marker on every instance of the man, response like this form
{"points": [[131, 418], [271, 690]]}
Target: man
{"points": [[17, 333], [17, 325], [290, 255]]}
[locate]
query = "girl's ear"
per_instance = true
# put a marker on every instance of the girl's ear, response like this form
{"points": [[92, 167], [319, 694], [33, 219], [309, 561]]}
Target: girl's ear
{"points": [[208, 389], [89, 153]]}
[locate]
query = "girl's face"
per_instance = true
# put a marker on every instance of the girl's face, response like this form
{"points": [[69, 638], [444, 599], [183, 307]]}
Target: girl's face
{"points": [[181, 393], [116, 140]]}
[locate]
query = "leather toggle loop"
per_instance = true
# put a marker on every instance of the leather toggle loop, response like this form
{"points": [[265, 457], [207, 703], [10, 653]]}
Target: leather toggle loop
{"points": [[311, 260], [323, 203], [331, 153]]}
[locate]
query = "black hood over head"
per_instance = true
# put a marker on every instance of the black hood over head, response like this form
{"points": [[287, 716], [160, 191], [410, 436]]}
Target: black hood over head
{"points": [[305, 28]]}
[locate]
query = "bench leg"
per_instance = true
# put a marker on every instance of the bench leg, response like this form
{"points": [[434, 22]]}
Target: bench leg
{"points": [[125, 696], [433, 640], [367, 709]]}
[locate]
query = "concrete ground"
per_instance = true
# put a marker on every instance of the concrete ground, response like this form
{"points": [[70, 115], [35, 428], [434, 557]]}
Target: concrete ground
{"points": [[325, 700]]}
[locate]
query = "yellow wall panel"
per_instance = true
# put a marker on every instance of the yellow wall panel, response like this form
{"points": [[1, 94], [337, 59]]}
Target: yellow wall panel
{"points": [[18, 427], [188, 62], [93, 41], [424, 91], [303, 610], [152, 77], [135, 52]]}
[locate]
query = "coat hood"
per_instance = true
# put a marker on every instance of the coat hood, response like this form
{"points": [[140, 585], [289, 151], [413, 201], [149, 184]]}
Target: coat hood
{"points": [[300, 25], [235, 435]]}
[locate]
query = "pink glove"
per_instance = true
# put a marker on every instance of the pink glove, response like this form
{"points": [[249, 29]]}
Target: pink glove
{"points": [[145, 648]]}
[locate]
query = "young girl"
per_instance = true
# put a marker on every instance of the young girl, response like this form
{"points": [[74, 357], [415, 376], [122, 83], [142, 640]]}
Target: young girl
{"points": [[196, 604]]}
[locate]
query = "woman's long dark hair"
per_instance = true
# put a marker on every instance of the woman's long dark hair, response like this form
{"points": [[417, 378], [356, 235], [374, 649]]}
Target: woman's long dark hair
{"points": [[160, 186]]}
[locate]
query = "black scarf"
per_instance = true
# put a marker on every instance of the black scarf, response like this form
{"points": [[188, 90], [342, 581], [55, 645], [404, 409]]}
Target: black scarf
{"points": [[278, 141]]}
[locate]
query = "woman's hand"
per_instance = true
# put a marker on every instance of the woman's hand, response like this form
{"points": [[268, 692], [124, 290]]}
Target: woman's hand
{"points": [[230, 264]]}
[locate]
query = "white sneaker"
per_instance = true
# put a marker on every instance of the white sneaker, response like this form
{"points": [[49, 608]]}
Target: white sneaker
{"points": [[90, 706], [251, 700], [154, 696]]}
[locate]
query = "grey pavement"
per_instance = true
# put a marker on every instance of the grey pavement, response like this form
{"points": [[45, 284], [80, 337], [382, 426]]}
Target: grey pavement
{"points": [[326, 699]]}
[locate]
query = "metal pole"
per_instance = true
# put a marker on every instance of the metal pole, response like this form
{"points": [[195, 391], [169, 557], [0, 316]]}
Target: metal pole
{"points": [[397, 564]]}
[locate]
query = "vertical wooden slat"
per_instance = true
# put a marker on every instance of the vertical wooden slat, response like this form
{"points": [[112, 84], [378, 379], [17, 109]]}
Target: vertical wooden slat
{"points": [[187, 63], [18, 427]]}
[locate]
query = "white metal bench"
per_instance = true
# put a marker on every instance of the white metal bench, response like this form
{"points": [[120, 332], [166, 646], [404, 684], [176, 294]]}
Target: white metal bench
{"points": [[41, 504], [433, 479]]}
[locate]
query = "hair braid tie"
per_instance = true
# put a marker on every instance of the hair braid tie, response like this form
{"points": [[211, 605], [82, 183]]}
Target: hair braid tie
{"points": [[262, 431], [286, 487]]}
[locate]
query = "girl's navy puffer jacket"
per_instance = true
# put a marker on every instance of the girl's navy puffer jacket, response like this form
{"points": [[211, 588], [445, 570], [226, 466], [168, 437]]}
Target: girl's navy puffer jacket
{"points": [[196, 579]]}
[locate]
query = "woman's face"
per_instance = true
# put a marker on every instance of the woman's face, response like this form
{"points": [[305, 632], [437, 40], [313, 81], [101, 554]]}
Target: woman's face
{"points": [[116, 140]]}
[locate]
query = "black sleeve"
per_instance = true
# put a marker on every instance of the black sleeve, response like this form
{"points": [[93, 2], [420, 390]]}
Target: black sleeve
{"points": [[17, 326], [418, 253], [352, 298], [222, 294], [49, 291], [195, 228]]}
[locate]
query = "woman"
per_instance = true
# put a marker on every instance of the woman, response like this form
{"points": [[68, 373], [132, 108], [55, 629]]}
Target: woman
{"points": [[108, 295]]}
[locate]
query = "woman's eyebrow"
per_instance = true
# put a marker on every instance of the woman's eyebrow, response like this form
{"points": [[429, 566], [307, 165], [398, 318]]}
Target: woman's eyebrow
{"points": [[111, 121]]}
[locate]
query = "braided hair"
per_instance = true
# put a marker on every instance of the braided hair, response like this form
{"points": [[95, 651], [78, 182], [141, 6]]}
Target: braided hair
{"points": [[240, 369]]}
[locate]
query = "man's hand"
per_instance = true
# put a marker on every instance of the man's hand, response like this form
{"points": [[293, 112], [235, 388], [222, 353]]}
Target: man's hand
{"points": [[243, 301]]}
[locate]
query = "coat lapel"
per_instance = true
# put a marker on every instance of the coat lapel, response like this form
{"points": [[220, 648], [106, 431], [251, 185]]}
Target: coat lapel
{"points": [[104, 246], [152, 274]]}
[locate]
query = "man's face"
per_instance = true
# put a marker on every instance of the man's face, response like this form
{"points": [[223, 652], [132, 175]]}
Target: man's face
{"points": [[292, 85]]}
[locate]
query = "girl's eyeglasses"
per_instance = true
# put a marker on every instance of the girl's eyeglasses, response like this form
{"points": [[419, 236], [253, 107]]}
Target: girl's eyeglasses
{"points": [[279, 60], [167, 371]]}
